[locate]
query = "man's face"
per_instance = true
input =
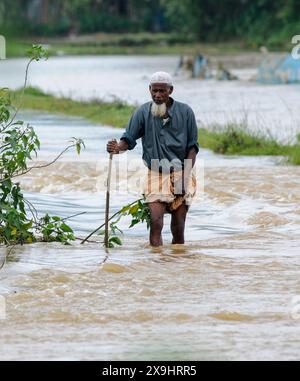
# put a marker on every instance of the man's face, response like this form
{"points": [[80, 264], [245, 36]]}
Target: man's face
{"points": [[160, 92]]}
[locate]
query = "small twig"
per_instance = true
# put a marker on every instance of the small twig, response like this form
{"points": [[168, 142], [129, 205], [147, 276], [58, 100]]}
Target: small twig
{"points": [[32, 209], [53, 161], [39, 166], [39, 225], [82, 239], [21, 96], [74, 215], [6, 256]]}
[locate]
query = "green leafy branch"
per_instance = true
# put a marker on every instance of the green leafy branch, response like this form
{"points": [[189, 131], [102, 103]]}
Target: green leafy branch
{"points": [[18, 144], [139, 212], [53, 228]]}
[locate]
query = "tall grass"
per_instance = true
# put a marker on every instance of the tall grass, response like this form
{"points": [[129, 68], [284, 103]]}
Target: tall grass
{"points": [[294, 155], [238, 139]]}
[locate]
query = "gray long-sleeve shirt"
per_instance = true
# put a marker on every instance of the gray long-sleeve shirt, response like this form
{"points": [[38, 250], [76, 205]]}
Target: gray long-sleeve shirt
{"points": [[163, 143]]}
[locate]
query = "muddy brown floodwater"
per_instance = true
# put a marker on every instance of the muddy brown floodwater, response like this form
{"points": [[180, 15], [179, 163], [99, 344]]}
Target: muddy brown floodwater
{"points": [[231, 292]]}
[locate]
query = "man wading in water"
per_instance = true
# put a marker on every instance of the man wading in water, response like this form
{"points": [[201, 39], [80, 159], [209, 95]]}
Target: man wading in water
{"points": [[170, 144]]}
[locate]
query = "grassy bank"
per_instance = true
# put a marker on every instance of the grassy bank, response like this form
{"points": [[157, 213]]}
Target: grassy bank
{"points": [[232, 139], [142, 43], [109, 44], [113, 113], [237, 139]]}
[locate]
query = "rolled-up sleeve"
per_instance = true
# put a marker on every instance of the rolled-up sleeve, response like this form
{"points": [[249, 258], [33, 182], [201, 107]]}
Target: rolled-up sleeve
{"points": [[192, 131], [134, 129]]}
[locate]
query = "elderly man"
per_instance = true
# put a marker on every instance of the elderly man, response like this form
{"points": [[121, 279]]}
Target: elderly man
{"points": [[170, 144]]}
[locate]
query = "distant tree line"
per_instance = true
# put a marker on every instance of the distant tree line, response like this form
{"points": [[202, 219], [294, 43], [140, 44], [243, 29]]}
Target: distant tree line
{"points": [[259, 21], [206, 20], [61, 17]]}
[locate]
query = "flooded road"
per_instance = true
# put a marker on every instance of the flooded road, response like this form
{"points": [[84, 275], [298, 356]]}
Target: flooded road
{"points": [[230, 293]]}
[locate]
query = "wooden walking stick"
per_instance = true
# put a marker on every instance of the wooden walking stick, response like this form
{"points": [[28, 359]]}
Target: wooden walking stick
{"points": [[107, 200]]}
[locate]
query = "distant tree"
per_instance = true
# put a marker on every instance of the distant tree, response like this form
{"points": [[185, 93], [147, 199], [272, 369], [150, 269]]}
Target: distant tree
{"points": [[212, 20], [256, 20], [123, 7]]}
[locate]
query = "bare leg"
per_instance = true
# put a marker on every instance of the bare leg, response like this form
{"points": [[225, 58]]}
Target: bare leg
{"points": [[157, 210], [178, 224]]}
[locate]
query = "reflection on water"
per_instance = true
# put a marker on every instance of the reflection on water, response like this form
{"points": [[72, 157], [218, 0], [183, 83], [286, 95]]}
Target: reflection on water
{"points": [[227, 290]]}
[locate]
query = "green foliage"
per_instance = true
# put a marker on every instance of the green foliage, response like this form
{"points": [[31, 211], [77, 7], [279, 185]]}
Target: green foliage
{"points": [[267, 22], [236, 139], [112, 241], [294, 154], [37, 52], [262, 22], [179, 16], [139, 213], [4, 105], [14, 226], [78, 143], [18, 144], [53, 228], [35, 92], [84, 16]]}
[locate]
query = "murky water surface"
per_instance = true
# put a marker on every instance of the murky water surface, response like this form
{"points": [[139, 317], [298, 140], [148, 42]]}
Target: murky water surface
{"points": [[229, 293]]}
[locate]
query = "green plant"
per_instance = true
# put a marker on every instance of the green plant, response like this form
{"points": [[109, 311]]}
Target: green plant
{"points": [[18, 144], [139, 212], [294, 154], [53, 228], [238, 139]]}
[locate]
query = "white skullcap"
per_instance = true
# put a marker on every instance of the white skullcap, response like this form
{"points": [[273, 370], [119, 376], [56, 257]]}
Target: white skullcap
{"points": [[161, 77]]}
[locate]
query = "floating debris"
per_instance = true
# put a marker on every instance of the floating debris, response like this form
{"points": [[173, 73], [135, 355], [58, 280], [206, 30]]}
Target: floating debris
{"points": [[281, 70], [200, 67], [224, 74]]}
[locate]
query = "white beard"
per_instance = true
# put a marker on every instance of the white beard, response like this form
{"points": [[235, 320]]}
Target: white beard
{"points": [[158, 110]]}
